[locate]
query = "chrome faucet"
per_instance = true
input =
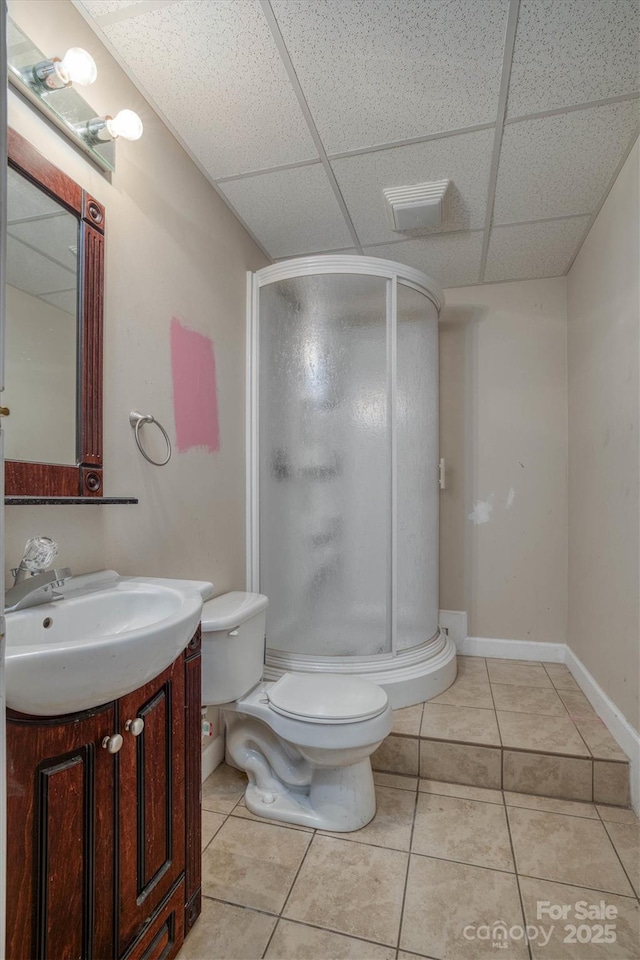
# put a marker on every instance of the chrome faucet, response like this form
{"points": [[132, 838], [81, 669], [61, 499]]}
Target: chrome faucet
{"points": [[37, 589], [33, 584]]}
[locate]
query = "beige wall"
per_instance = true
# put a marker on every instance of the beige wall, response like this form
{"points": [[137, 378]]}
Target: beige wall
{"points": [[604, 406], [173, 249], [503, 432]]}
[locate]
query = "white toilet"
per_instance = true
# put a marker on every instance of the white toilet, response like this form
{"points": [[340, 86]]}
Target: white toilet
{"points": [[305, 740]]}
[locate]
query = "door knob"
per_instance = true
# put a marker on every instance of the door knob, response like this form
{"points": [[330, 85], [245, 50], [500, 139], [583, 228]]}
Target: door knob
{"points": [[113, 744], [135, 727], [4, 411]]}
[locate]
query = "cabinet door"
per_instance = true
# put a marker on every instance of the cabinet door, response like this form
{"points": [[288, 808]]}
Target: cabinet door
{"points": [[162, 938], [60, 816], [151, 798]]}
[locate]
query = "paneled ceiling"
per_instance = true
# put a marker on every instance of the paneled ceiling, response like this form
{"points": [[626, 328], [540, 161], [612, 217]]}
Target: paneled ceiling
{"points": [[300, 112], [42, 245]]}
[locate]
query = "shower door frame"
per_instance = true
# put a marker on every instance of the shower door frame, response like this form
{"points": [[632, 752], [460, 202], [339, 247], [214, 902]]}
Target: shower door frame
{"points": [[394, 273]]}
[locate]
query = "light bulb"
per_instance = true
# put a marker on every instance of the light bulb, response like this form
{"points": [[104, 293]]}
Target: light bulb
{"points": [[125, 124], [77, 66]]}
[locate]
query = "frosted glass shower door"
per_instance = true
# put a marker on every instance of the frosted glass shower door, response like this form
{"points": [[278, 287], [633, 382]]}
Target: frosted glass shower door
{"points": [[416, 489], [324, 452]]}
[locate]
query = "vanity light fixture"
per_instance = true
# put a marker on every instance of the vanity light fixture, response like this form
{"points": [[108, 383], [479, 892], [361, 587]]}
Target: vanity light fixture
{"points": [[125, 124], [52, 85], [77, 66]]}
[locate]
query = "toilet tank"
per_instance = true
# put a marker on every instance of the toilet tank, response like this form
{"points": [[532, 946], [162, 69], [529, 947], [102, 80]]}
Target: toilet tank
{"points": [[233, 630]]}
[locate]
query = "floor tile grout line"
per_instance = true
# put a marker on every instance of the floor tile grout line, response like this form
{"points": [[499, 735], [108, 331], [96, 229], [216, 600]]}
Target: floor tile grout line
{"points": [[424, 703], [574, 816], [633, 897], [631, 883], [406, 875], [584, 886], [254, 818], [434, 793], [537, 751], [589, 750], [218, 829], [339, 933], [495, 714], [271, 936], [515, 868], [241, 906], [363, 843], [466, 863], [490, 803], [592, 820], [299, 923], [297, 874], [508, 873], [286, 899], [418, 956]]}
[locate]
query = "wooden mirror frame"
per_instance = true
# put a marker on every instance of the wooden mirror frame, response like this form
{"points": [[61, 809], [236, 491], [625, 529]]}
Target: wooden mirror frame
{"points": [[84, 479]]}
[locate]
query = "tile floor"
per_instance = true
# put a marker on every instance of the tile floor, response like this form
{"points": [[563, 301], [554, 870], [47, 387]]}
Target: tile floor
{"points": [[511, 724], [436, 859]]}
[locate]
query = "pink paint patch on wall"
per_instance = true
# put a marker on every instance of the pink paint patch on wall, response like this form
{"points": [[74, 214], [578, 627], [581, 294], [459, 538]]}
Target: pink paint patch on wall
{"points": [[195, 396]]}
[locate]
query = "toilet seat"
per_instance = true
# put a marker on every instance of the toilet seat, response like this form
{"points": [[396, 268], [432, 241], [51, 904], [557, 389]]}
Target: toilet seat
{"points": [[326, 698]]}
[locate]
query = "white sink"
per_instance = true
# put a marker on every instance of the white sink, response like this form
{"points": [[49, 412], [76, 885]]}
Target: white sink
{"points": [[107, 637]]}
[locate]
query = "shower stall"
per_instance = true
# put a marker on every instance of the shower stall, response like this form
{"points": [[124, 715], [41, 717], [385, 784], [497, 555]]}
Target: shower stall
{"points": [[342, 471]]}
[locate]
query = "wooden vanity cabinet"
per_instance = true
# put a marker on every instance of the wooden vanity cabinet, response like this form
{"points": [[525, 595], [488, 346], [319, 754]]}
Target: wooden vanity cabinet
{"points": [[100, 845], [60, 822]]}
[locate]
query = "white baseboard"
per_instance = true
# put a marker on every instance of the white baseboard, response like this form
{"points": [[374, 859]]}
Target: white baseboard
{"points": [[454, 623], [212, 756], [513, 649], [617, 724]]}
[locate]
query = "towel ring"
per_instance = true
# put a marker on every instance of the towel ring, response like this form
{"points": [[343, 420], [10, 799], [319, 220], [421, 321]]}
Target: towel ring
{"points": [[136, 420]]}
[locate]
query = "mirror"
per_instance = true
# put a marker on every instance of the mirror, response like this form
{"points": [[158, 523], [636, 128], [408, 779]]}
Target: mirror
{"points": [[41, 325], [53, 362]]}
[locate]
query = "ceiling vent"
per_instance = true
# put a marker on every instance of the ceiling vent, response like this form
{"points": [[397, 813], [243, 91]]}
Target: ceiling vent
{"points": [[419, 207]]}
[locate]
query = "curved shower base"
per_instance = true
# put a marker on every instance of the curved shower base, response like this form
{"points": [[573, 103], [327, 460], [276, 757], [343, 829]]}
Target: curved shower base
{"points": [[408, 677]]}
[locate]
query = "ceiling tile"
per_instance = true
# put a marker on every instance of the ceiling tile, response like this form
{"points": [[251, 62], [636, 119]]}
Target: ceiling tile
{"points": [[343, 251], [290, 211], [572, 52], [375, 71], [24, 199], [30, 271], [214, 71], [464, 159], [561, 165], [530, 250], [65, 300], [452, 260], [56, 237], [99, 8]]}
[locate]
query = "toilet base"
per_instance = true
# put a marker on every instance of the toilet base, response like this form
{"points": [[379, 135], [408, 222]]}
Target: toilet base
{"points": [[340, 799]]}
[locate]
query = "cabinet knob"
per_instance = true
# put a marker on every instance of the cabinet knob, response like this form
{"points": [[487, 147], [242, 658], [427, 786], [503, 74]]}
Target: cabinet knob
{"points": [[112, 744], [135, 727]]}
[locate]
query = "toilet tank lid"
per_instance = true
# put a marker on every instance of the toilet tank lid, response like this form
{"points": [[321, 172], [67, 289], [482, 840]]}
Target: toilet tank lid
{"points": [[231, 609]]}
